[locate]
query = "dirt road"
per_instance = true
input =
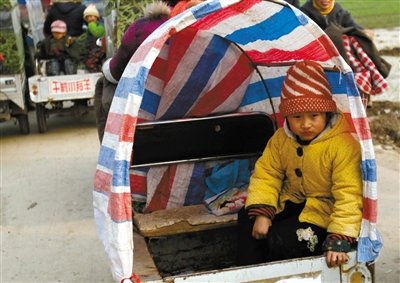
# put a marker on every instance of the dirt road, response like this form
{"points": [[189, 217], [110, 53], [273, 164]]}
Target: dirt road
{"points": [[48, 233]]}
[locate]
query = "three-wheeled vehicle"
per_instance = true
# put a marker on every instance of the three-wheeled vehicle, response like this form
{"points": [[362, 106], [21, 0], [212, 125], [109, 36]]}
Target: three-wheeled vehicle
{"points": [[202, 91], [63, 93], [13, 83]]}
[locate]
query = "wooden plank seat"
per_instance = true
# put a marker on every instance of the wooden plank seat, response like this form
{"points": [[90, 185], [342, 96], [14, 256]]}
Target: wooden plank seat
{"points": [[231, 136], [185, 219]]}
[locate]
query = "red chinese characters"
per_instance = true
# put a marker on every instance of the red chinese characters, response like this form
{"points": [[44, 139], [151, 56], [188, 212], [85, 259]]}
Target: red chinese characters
{"points": [[78, 86]]}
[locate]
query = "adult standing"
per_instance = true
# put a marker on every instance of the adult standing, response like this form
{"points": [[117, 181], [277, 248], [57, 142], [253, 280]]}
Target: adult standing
{"points": [[70, 12], [155, 14], [327, 12], [354, 44]]}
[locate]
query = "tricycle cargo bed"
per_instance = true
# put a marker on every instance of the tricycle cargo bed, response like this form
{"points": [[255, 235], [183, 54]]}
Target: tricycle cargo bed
{"points": [[61, 94], [61, 88], [189, 244]]}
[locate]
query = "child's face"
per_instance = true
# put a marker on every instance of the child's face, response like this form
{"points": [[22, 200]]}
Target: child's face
{"points": [[323, 4], [91, 18], [307, 125], [58, 35]]}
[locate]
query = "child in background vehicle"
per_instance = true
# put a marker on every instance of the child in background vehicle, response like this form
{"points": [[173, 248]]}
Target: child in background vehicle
{"points": [[93, 55], [307, 185], [60, 50]]}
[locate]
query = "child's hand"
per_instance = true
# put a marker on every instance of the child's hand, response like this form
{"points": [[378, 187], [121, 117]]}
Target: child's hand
{"points": [[70, 40], [334, 259], [261, 226]]}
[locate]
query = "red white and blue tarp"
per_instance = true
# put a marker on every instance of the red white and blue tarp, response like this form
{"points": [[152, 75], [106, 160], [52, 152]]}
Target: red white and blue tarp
{"points": [[221, 56]]}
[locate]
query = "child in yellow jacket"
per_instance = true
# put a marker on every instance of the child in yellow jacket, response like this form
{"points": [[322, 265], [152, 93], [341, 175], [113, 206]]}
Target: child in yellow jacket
{"points": [[305, 194]]}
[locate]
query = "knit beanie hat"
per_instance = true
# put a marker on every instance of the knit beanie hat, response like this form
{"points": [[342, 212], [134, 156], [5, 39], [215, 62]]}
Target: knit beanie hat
{"points": [[58, 26], [91, 10], [306, 89]]}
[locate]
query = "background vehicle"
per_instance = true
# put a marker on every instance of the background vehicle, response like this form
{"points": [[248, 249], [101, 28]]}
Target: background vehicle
{"points": [[13, 82], [59, 94], [71, 94]]}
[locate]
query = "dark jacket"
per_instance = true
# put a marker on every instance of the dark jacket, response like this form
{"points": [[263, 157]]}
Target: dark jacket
{"points": [[50, 48], [338, 16], [69, 12], [295, 3]]}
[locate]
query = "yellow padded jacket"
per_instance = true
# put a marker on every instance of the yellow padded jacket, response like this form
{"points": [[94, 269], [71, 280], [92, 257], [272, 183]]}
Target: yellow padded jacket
{"points": [[329, 181]]}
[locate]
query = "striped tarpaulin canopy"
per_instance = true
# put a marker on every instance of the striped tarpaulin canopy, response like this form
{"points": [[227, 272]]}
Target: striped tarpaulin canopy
{"points": [[222, 56]]}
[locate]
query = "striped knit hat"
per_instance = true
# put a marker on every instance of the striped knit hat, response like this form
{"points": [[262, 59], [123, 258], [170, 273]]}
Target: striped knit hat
{"points": [[306, 89]]}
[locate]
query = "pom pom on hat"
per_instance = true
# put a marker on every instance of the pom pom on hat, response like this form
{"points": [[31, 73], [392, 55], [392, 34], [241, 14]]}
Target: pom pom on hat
{"points": [[306, 89], [58, 26], [91, 10]]}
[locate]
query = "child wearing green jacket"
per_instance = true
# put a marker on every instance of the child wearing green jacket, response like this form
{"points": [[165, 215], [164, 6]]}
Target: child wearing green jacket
{"points": [[93, 54]]}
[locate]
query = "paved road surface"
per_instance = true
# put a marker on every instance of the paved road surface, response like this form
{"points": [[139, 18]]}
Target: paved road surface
{"points": [[48, 233]]}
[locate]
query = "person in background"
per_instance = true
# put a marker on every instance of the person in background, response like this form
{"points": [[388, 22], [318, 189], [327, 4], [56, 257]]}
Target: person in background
{"points": [[61, 51], [155, 14], [68, 11], [305, 194], [326, 12], [93, 55], [355, 45], [295, 3]]}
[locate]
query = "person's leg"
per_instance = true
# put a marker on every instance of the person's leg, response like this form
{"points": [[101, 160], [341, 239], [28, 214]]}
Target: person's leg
{"points": [[250, 250], [53, 67], [69, 67], [108, 95], [289, 238], [253, 251], [98, 108]]}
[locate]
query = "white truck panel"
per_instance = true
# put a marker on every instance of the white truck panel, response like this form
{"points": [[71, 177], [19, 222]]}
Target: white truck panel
{"points": [[310, 270], [64, 87], [12, 88]]}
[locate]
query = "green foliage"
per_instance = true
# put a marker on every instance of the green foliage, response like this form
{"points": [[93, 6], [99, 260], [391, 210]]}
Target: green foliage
{"points": [[128, 11], [13, 60], [373, 14], [6, 5]]}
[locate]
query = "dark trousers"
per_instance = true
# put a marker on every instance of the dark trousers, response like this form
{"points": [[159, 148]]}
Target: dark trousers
{"points": [[282, 241], [103, 96], [55, 66]]}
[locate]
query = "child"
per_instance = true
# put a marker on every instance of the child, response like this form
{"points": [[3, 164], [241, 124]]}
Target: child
{"points": [[94, 55], [307, 186], [60, 50]]}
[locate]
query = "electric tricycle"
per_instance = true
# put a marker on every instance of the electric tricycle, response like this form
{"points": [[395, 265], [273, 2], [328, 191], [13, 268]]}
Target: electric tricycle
{"points": [[201, 92]]}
